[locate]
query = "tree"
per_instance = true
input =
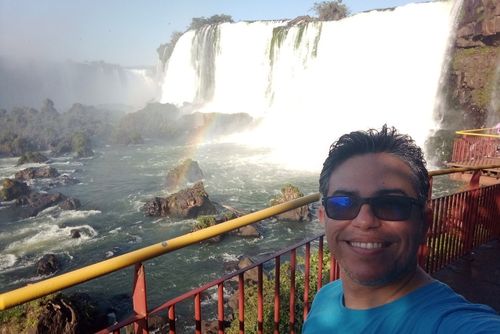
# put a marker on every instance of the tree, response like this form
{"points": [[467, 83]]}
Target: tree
{"points": [[331, 10], [198, 22], [165, 50]]}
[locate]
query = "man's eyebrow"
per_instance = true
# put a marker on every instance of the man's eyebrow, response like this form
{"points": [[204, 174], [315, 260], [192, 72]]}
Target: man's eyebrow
{"points": [[395, 191], [344, 192]]}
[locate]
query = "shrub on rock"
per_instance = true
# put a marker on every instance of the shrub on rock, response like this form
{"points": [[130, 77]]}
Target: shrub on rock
{"points": [[290, 192]]}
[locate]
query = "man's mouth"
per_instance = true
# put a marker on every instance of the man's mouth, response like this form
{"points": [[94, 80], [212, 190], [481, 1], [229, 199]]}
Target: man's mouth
{"points": [[367, 245]]}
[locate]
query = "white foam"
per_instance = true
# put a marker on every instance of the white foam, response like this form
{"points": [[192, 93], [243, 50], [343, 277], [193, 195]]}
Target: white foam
{"points": [[229, 257], [7, 261]]}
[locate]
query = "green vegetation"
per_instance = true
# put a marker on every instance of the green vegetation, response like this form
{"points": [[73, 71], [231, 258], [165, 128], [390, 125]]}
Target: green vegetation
{"points": [[166, 50], [33, 130], [23, 318], [80, 144], [285, 285], [331, 10], [199, 22], [471, 60], [204, 222], [288, 192]]}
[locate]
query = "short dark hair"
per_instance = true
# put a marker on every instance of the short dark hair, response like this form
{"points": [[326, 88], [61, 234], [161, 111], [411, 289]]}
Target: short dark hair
{"points": [[387, 140]]}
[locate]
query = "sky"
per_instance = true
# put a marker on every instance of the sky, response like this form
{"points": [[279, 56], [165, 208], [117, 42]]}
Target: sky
{"points": [[128, 32]]}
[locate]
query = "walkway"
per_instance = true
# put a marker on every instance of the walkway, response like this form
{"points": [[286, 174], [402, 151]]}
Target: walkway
{"points": [[476, 276]]}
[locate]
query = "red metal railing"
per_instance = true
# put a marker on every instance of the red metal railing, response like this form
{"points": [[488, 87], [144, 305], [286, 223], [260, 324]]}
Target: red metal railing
{"points": [[460, 222], [477, 145]]}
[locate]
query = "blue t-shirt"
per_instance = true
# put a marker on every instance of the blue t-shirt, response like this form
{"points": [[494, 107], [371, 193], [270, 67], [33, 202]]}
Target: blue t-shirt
{"points": [[433, 308]]}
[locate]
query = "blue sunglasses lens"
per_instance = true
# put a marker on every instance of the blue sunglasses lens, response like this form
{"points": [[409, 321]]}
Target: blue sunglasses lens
{"points": [[388, 207]]}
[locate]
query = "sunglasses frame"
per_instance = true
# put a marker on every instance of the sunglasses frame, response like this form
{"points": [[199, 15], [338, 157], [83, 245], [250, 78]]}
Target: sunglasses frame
{"points": [[359, 201]]}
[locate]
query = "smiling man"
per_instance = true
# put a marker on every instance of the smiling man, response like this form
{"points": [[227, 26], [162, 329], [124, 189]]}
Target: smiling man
{"points": [[374, 187]]}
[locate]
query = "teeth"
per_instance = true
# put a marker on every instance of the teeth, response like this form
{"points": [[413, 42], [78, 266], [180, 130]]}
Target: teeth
{"points": [[367, 245]]}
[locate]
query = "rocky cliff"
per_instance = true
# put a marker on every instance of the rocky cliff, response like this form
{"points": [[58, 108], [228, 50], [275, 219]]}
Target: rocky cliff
{"points": [[472, 81], [474, 74]]}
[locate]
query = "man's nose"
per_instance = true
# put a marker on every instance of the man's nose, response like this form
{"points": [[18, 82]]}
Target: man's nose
{"points": [[365, 219]]}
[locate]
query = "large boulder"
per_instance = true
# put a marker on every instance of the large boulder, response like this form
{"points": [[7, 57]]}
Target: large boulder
{"points": [[36, 172], [35, 202], [31, 157], [288, 193], [187, 172], [48, 264], [12, 189], [187, 203]]}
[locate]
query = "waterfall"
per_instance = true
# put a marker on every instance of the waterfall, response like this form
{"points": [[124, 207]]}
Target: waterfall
{"points": [[311, 82]]}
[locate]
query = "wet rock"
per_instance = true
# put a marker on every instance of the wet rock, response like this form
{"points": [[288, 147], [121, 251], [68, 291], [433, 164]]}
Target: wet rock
{"points": [[75, 233], [249, 231], [47, 265], [187, 203], [12, 189], [251, 275], [187, 172], [31, 157], [36, 172], [288, 193], [36, 202], [70, 204]]}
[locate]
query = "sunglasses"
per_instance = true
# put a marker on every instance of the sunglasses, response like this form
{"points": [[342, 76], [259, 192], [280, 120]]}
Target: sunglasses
{"points": [[387, 207]]}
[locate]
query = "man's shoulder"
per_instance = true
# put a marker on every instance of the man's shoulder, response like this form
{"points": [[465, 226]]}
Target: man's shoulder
{"points": [[446, 311]]}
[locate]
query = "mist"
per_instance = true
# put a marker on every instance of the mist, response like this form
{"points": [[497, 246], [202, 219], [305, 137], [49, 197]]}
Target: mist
{"points": [[27, 82]]}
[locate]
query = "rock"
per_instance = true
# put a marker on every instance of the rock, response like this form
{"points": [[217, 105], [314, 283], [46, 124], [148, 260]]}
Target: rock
{"points": [[70, 204], [37, 202], [12, 189], [36, 172], [212, 326], [70, 315], [47, 265], [31, 157], [479, 24], [249, 231], [187, 172], [187, 203], [288, 193], [75, 234], [252, 275]]}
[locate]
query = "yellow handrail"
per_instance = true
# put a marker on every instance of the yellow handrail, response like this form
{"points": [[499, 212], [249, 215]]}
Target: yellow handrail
{"points": [[63, 281], [474, 132]]}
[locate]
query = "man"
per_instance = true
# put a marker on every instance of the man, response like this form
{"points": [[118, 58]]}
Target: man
{"points": [[374, 187]]}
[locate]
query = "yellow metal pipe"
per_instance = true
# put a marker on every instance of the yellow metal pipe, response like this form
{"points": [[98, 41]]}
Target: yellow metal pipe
{"points": [[461, 169], [78, 276], [473, 133]]}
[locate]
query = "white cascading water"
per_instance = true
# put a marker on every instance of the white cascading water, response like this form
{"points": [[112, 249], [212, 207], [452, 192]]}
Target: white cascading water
{"points": [[311, 84]]}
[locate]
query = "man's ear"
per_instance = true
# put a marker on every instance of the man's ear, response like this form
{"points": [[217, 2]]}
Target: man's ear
{"points": [[321, 214]]}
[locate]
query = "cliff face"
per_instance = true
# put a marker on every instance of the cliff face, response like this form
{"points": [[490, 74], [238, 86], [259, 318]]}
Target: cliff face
{"points": [[472, 81], [474, 74]]}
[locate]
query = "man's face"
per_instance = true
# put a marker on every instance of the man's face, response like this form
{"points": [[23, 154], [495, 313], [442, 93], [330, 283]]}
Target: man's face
{"points": [[372, 251]]}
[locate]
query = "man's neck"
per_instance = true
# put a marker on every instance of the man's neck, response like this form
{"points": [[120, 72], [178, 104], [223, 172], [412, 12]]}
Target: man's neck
{"points": [[360, 297]]}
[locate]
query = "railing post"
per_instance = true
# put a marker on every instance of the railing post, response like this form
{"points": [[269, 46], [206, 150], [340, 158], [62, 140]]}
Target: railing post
{"points": [[139, 299], [470, 214]]}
